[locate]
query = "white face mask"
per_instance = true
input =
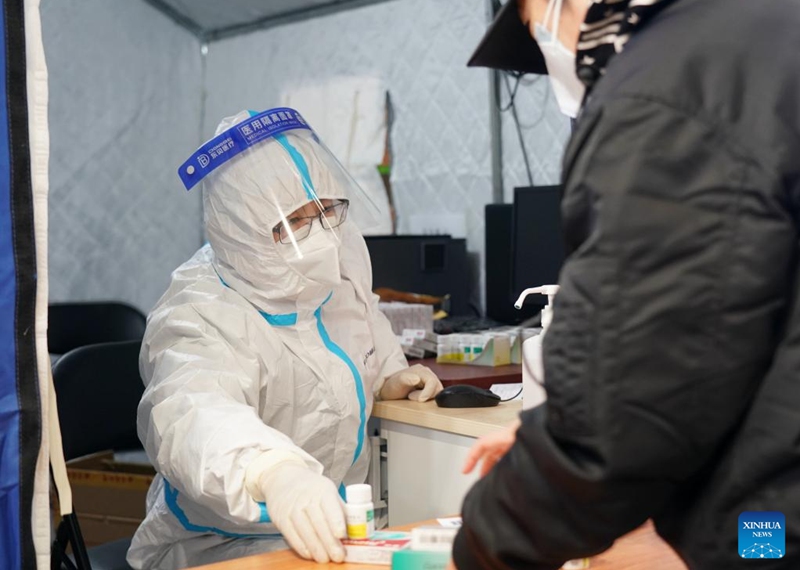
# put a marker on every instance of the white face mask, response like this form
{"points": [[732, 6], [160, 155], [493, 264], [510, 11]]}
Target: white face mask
{"points": [[567, 88], [320, 256]]}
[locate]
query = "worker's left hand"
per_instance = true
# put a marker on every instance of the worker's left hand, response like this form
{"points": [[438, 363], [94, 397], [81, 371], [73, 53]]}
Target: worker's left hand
{"points": [[416, 383]]}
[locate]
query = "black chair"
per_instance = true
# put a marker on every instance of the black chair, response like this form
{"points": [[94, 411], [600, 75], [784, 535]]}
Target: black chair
{"points": [[98, 389], [72, 325]]}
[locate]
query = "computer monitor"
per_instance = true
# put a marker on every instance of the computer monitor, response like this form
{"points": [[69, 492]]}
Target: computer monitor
{"points": [[431, 265], [538, 245]]}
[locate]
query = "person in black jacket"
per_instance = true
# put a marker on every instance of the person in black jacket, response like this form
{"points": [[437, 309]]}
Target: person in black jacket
{"points": [[672, 364]]}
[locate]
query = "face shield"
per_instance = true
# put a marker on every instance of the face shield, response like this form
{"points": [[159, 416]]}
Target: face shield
{"points": [[290, 168], [276, 201]]}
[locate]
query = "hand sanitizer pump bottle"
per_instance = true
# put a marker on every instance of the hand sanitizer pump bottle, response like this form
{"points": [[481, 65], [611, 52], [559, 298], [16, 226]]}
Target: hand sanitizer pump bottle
{"points": [[533, 392]]}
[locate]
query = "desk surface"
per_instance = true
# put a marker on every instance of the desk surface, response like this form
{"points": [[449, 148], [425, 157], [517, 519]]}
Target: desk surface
{"points": [[640, 550], [481, 376], [471, 422]]}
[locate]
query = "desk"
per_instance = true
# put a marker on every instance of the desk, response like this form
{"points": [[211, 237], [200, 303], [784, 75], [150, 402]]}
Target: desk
{"points": [[481, 376], [426, 448], [640, 550], [471, 422]]}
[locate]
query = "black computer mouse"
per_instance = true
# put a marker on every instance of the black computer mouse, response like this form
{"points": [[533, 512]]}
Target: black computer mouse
{"points": [[466, 396]]}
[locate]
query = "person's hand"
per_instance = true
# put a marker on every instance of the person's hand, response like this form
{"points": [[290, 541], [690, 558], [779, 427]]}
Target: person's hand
{"points": [[490, 449], [416, 383], [451, 565], [307, 510]]}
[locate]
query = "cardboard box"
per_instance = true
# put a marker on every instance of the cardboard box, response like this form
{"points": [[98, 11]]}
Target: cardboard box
{"points": [[108, 496], [496, 349]]}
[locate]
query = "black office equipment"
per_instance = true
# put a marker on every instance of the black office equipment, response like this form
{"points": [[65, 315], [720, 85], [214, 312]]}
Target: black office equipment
{"points": [[430, 265], [499, 224], [524, 248], [538, 241], [464, 324]]}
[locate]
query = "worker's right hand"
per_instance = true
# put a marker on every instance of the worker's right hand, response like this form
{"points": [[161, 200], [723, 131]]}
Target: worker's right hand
{"points": [[307, 510], [490, 449], [417, 383]]}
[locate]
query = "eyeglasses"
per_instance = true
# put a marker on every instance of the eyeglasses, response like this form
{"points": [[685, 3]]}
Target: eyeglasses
{"points": [[331, 216]]}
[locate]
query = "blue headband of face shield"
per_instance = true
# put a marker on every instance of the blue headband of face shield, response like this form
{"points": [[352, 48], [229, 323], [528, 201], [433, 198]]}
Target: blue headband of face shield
{"points": [[237, 139]]}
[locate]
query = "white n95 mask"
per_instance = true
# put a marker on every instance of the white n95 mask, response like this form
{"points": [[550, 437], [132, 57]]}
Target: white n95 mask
{"points": [[317, 256], [560, 62]]}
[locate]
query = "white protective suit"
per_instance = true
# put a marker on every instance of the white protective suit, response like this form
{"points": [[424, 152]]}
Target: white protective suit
{"points": [[243, 355]]}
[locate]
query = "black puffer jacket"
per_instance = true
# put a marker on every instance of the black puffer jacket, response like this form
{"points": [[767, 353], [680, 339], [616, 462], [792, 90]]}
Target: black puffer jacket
{"points": [[673, 361]]}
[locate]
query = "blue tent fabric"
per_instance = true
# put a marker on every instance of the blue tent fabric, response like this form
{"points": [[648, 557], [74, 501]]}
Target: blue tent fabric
{"points": [[20, 411]]}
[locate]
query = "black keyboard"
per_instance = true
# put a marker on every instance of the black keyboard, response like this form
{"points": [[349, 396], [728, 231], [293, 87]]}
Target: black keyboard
{"points": [[463, 324]]}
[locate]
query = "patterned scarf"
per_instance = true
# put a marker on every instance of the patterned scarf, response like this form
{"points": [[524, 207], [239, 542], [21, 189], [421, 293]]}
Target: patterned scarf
{"points": [[608, 26]]}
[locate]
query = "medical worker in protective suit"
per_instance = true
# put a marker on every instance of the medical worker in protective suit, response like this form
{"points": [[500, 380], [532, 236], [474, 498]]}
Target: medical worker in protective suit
{"points": [[263, 358]]}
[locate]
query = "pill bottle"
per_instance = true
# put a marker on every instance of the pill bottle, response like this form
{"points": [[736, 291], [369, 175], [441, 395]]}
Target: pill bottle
{"points": [[359, 511]]}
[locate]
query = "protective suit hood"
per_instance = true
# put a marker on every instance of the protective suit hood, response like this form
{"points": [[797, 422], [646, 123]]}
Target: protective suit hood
{"points": [[247, 194]]}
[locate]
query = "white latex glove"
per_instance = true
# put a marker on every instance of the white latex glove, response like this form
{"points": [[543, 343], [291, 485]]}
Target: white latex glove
{"points": [[307, 510], [416, 383]]}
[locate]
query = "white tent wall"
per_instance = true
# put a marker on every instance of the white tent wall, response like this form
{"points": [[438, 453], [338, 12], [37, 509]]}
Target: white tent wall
{"points": [[125, 108], [441, 134], [419, 48], [544, 130]]}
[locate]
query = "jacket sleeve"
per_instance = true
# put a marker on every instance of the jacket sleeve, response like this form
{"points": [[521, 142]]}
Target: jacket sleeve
{"points": [[670, 303], [198, 418]]}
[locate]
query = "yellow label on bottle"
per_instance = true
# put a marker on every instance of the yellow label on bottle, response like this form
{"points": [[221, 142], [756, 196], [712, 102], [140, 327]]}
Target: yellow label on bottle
{"points": [[357, 531]]}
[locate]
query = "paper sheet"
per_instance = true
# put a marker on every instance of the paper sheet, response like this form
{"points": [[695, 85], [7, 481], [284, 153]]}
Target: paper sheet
{"points": [[450, 522], [508, 391]]}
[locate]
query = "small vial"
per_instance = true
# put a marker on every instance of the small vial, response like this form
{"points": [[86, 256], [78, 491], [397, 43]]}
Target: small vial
{"points": [[455, 350], [477, 348], [447, 344], [444, 350], [461, 347], [359, 511]]}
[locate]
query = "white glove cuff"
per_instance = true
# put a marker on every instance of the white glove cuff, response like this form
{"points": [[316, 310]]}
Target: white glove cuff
{"points": [[376, 389], [382, 378], [264, 464]]}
